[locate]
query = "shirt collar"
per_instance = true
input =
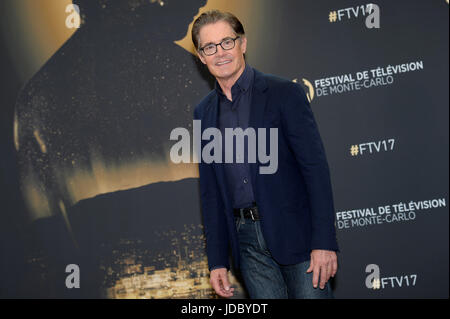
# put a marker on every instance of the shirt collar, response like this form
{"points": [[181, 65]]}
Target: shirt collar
{"points": [[242, 84]]}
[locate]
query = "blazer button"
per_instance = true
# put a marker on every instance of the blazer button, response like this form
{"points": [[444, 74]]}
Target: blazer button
{"points": [[245, 180]]}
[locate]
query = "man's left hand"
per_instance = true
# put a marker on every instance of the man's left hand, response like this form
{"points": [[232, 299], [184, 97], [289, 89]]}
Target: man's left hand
{"points": [[323, 262]]}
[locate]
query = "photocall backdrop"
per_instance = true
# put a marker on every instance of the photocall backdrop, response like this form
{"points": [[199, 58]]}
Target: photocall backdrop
{"points": [[88, 188]]}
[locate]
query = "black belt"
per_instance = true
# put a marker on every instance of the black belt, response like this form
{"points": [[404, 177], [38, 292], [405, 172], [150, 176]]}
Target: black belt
{"points": [[248, 212]]}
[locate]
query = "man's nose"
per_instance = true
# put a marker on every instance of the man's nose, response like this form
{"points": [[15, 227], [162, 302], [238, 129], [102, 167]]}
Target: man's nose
{"points": [[220, 49], [220, 52]]}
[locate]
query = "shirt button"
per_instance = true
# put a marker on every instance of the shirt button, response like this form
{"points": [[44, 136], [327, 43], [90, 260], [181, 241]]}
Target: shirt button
{"points": [[245, 180]]}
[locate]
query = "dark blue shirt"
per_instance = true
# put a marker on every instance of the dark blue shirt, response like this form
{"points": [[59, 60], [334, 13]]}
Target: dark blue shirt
{"points": [[233, 114]]}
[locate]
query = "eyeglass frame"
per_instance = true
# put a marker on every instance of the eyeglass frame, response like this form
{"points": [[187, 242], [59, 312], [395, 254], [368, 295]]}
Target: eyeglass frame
{"points": [[220, 43]]}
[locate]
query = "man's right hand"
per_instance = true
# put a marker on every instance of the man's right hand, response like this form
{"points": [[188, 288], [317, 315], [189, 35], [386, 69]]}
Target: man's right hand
{"points": [[220, 283]]}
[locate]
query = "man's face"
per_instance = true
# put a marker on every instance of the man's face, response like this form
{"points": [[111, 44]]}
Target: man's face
{"points": [[234, 58]]}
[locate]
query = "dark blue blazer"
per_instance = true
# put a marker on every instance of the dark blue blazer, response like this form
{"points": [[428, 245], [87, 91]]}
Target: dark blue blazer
{"points": [[296, 202]]}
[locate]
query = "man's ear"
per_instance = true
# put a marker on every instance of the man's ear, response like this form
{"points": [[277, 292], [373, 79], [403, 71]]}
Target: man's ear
{"points": [[244, 44], [201, 57]]}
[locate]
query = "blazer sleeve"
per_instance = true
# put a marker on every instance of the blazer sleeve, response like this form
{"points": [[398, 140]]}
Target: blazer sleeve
{"points": [[303, 136], [213, 215]]}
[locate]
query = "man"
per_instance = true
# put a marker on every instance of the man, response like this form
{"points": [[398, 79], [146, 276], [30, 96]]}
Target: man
{"points": [[281, 225]]}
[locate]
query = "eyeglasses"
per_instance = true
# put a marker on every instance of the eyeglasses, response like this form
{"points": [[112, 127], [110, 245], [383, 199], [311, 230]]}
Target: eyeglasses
{"points": [[226, 44]]}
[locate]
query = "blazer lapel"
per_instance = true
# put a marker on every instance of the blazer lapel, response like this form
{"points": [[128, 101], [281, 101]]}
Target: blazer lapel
{"points": [[212, 120], [257, 109]]}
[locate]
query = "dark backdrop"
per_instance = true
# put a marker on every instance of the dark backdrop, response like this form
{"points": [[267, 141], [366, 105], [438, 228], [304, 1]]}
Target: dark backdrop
{"points": [[111, 94]]}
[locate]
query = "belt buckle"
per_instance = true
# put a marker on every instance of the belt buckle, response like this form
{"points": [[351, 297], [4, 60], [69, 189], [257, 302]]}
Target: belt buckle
{"points": [[251, 214]]}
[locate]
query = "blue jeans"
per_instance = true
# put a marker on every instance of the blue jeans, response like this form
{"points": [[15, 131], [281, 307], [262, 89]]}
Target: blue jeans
{"points": [[264, 278]]}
